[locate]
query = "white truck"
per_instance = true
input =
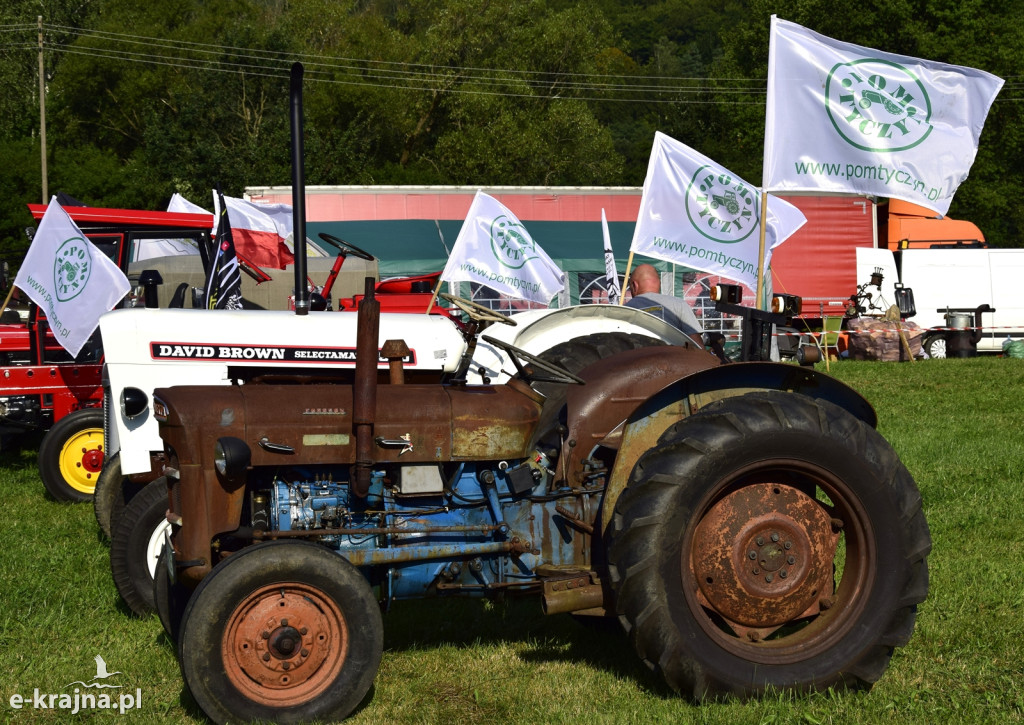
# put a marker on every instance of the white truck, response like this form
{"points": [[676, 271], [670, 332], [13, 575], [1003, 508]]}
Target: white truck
{"points": [[954, 289]]}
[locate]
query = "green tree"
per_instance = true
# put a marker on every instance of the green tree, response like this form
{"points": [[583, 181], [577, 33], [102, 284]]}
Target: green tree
{"points": [[464, 92]]}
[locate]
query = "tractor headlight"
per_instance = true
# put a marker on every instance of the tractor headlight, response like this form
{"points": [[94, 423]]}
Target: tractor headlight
{"points": [[729, 293], [231, 456], [788, 305], [133, 402]]}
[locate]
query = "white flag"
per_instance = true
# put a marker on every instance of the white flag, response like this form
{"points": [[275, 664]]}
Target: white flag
{"points": [[842, 117], [494, 249], [611, 274], [71, 280], [695, 213], [181, 205]]}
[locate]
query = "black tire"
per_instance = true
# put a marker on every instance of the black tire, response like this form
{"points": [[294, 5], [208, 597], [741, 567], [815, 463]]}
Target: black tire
{"points": [[935, 346], [704, 599], [296, 586], [112, 494], [136, 545], [170, 599], [580, 352], [71, 455]]}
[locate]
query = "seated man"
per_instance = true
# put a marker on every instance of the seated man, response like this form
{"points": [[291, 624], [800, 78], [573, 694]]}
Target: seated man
{"points": [[645, 284]]}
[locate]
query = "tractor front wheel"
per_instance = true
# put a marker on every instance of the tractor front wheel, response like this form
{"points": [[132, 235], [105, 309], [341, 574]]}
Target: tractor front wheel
{"points": [[136, 546], [285, 631], [113, 493], [771, 541], [170, 598], [71, 455]]}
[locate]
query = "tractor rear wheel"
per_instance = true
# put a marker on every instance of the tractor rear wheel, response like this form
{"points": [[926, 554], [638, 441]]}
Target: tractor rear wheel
{"points": [[771, 541], [136, 546], [285, 631], [71, 455]]}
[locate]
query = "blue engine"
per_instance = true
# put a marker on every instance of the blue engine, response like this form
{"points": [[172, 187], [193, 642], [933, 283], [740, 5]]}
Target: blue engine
{"points": [[473, 528]]}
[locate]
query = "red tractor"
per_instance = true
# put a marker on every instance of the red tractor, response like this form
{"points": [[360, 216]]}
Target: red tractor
{"points": [[43, 388]]}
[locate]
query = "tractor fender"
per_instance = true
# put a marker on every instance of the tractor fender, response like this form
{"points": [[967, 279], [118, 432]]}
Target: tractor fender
{"points": [[615, 386], [687, 395]]}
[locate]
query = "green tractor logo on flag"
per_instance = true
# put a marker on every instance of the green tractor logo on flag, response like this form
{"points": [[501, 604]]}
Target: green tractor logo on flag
{"points": [[511, 243], [879, 106], [720, 206], [71, 268]]}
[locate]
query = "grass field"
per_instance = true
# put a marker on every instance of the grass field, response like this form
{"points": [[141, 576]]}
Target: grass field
{"points": [[957, 424]]}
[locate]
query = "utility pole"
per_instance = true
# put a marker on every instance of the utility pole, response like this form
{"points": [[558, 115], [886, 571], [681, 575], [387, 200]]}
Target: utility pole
{"points": [[42, 108]]}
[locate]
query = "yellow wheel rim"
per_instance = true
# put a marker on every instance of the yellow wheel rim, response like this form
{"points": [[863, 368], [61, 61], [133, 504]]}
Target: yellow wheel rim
{"points": [[81, 458]]}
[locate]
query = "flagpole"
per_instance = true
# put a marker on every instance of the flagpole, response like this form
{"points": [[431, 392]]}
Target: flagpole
{"points": [[760, 301], [625, 280], [9, 295], [433, 297]]}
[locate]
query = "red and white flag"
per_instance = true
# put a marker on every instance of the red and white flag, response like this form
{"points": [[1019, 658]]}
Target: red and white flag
{"points": [[260, 231]]}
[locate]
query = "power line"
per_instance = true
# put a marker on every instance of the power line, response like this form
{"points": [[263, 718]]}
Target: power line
{"points": [[336, 61], [409, 83], [418, 77], [400, 75]]}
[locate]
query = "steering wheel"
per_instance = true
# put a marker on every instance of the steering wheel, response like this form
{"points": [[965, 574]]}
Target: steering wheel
{"points": [[476, 311], [345, 247], [556, 373]]}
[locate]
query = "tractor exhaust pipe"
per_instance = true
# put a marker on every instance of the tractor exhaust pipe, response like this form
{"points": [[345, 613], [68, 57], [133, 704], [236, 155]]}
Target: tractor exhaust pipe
{"points": [[299, 194], [364, 396]]}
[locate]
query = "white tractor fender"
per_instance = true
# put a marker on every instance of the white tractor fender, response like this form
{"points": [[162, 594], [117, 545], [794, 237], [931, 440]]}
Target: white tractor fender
{"points": [[539, 330]]}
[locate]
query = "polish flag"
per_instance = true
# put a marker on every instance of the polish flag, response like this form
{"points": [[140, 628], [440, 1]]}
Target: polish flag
{"points": [[260, 231]]}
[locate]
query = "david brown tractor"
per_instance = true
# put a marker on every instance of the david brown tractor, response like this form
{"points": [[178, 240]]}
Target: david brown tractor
{"points": [[150, 348], [745, 523]]}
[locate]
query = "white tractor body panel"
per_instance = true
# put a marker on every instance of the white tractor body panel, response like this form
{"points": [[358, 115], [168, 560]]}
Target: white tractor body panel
{"points": [[149, 349]]}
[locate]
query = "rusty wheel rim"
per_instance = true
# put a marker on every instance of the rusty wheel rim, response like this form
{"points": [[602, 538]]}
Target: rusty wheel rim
{"points": [[285, 644], [779, 562]]}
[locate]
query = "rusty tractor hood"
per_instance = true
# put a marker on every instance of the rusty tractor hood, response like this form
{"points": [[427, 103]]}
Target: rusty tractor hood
{"points": [[308, 424]]}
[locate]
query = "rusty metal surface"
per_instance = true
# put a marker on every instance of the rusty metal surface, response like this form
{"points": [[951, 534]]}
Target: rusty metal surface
{"points": [[285, 644], [375, 531], [395, 351], [492, 422], [316, 423], [571, 595], [614, 388], [364, 395], [404, 554], [763, 556]]}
